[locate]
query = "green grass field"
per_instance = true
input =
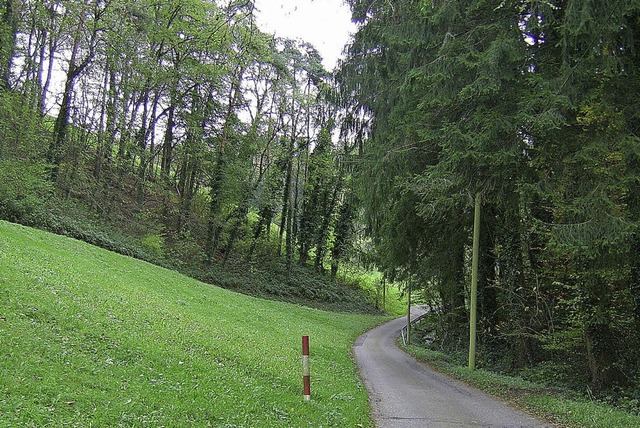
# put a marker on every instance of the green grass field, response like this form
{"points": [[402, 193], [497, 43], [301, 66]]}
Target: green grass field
{"points": [[92, 338]]}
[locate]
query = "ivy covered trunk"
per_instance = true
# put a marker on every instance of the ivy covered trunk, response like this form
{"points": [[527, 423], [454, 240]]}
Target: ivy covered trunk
{"points": [[8, 31], [604, 363]]}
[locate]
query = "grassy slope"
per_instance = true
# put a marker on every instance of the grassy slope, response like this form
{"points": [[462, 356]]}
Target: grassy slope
{"points": [[88, 337]]}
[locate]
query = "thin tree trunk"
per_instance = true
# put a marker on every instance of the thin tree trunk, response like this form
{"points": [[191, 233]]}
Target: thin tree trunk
{"points": [[289, 242], [53, 45], [214, 228], [56, 148], [41, 57], [286, 198], [604, 365], [167, 144], [102, 137]]}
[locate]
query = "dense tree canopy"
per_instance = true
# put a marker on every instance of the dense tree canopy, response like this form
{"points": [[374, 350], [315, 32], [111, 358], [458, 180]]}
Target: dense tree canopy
{"points": [[529, 104]]}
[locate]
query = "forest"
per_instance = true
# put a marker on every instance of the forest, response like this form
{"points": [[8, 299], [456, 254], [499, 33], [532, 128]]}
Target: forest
{"points": [[178, 132], [182, 125], [532, 105]]}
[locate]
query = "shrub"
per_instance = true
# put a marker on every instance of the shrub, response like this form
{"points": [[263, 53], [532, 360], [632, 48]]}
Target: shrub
{"points": [[24, 190], [153, 244]]}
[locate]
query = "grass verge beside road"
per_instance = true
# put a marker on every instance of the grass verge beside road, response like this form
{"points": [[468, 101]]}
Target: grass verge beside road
{"points": [[563, 408], [92, 338]]}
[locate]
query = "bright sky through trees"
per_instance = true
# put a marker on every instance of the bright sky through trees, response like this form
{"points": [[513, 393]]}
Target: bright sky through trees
{"points": [[324, 23]]}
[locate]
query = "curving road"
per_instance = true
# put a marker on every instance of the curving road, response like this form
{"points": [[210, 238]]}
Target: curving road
{"points": [[405, 393]]}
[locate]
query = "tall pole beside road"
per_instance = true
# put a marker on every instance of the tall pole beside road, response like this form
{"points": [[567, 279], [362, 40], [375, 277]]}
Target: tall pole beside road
{"points": [[409, 313], [474, 284]]}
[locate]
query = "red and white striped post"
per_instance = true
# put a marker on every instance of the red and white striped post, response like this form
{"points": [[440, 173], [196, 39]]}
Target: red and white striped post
{"points": [[306, 377]]}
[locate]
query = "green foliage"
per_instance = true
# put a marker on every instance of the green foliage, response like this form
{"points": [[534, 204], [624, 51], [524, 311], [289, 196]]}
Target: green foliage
{"points": [[155, 142], [153, 244], [583, 414], [21, 128], [95, 236], [93, 338], [527, 104], [556, 374], [558, 405], [24, 191], [300, 285], [396, 301]]}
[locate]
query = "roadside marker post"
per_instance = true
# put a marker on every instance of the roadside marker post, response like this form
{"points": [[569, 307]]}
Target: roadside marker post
{"points": [[306, 376]]}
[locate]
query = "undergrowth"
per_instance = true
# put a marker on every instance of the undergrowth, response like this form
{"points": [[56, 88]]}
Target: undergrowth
{"points": [[265, 276], [542, 394]]}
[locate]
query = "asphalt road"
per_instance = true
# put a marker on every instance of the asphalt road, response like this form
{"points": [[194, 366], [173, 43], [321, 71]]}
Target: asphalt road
{"points": [[405, 393]]}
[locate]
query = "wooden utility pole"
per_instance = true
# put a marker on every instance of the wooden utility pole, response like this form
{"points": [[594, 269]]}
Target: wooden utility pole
{"points": [[474, 284]]}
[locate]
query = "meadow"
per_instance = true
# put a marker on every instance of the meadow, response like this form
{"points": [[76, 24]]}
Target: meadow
{"points": [[92, 338]]}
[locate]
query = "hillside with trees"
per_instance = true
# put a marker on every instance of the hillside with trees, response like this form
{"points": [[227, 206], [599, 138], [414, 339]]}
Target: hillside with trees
{"points": [[177, 131], [180, 133]]}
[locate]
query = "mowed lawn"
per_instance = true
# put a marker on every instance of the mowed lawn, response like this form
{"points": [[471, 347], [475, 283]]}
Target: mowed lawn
{"points": [[92, 338]]}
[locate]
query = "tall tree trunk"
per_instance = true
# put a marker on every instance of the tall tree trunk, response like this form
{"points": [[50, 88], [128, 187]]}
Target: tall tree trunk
{"points": [[56, 148], [600, 339], [128, 108], [453, 299], [102, 136], [345, 222], [603, 364], [633, 202], [41, 58], [53, 46], [323, 231], [307, 219], [61, 125], [343, 232], [488, 296], [240, 219], [635, 286], [214, 228], [286, 196], [32, 64], [167, 144], [513, 272], [8, 35], [141, 142], [50, 39], [289, 242], [265, 217]]}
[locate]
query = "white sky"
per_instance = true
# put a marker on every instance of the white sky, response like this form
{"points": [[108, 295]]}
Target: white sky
{"points": [[326, 24]]}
